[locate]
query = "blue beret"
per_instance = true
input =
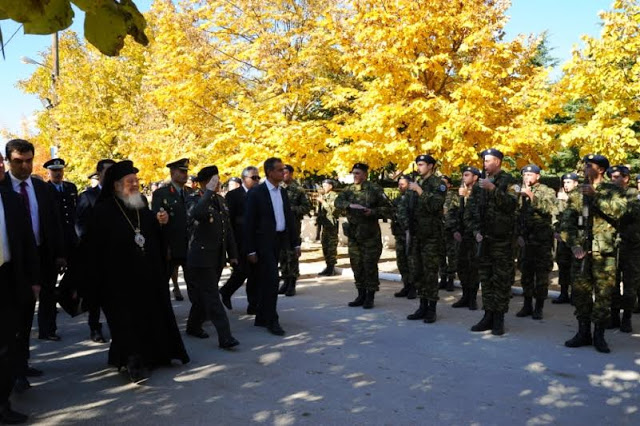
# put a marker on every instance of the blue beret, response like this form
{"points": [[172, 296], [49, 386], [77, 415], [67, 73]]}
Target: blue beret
{"points": [[624, 170], [473, 170], [532, 168], [426, 158], [572, 176], [330, 182], [598, 159], [406, 177], [54, 164], [492, 151], [360, 166]]}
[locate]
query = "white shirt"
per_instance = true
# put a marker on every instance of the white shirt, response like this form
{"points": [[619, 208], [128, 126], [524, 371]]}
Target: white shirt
{"points": [[245, 188], [33, 204], [5, 253], [278, 206]]}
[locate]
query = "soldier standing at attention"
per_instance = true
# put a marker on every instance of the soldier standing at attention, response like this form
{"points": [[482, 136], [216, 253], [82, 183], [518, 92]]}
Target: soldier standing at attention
{"points": [[364, 203], [402, 249], [564, 256], [300, 205], [421, 213], [535, 238], [493, 203], [629, 264], [328, 221], [636, 310], [172, 199], [458, 221], [593, 242], [450, 259]]}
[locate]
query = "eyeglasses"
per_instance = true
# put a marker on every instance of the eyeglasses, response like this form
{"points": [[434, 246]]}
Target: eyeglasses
{"points": [[255, 177]]}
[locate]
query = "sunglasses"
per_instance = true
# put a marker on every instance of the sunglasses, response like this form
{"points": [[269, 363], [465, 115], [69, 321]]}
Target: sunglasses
{"points": [[255, 177]]}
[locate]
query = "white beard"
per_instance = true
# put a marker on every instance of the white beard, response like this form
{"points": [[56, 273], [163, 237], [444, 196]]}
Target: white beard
{"points": [[133, 201]]}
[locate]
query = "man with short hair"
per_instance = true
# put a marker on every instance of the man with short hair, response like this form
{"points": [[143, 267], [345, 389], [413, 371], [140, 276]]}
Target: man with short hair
{"points": [[234, 183], [328, 221], [172, 199], [236, 202], [564, 257], [402, 249]]}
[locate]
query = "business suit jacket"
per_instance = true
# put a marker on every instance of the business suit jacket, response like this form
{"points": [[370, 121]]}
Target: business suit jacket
{"points": [[175, 231], [86, 202], [236, 201]]}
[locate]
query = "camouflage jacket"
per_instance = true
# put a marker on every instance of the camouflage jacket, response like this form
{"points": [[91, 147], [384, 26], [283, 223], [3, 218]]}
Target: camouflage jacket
{"points": [[567, 213], [422, 214], [369, 195], [458, 215], [328, 216], [608, 200], [493, 212], [536, 216], [630, 221], [300, 204], [396, 227]]}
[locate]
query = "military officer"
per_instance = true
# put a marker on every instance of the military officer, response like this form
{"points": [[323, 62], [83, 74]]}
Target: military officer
{"points": [[328, 221], [402, 249], [421, 212], [172, 199], [211, 243], [450, 259], [493, 203], [593, 242], [364, 203], [535, 238], [300, 204], [458, 222], [564, 256], [66, 196]]}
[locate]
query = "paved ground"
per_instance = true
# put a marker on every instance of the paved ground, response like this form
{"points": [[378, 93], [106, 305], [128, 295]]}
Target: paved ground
{"points": [[340, 365]]}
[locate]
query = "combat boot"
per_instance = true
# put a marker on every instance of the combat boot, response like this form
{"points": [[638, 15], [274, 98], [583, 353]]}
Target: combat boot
{"points": [[486, 323], [473, 303], [430, 315], [537, 311], [463, 302], [284, 286], [582, 337], [615, 319], [625, 324], [359, 300], [450, 286], [598, 339], [497, 328], [328, 271], [369, 297], [404, 291], [411, 294], [420, 313], [527, 308], [564, 296], [291, 289]]}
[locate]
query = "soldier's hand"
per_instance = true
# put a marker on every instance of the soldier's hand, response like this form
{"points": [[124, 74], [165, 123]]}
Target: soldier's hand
{"points": [[578, 252], [562, 195], [462, 191], [213, 183], [479, 237], [521, 242], [162, 216], [587, 189], [457, 236], [252, 258], [415, 187], [527, 192], [486, 184]]}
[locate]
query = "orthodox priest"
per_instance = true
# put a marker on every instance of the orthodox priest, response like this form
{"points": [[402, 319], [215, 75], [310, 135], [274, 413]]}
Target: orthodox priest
{"points": [[128, 269]]}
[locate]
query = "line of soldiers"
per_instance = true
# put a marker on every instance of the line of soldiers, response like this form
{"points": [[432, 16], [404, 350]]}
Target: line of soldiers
{"points": [[491, 225]]}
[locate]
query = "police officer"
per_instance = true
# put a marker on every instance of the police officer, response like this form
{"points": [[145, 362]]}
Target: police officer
{"points": [[593, 242], [211, 243], [364, 203], [402, 249], [300, 205], [328, 221], [493, 203], [564, 256], [172, 199], [421, 212], [66, 196]]}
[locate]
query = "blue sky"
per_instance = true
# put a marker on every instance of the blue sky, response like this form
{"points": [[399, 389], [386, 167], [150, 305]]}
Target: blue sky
{"points": [[565, 21]]}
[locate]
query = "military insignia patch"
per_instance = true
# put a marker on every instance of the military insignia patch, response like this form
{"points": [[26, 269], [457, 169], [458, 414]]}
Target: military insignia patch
{"points": [[443, 188], [517, 188]]}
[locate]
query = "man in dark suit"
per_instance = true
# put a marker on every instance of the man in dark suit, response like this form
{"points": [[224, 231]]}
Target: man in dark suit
{"points": [[17, 275], [84, 210], [236, 201], [172, 199], [39, 204], [269, 228]]}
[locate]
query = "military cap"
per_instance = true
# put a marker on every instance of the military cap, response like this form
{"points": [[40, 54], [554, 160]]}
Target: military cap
{"points": [[473, 170], [102, 163], [493, 152], [330, 182], [54, 164], [206, 173], [426, 158], [406, 177], [598, 159], [236, 180], [289, 167], [531, 168], [360, 166], [624, 170], [93, 175], [182, 164], [572, 176]]}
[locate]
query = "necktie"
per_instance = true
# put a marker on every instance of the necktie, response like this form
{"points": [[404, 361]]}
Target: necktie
{"points": [[25, 197]]}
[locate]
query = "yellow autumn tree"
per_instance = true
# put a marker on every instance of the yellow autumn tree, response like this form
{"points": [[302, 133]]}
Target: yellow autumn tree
{"points": [[601, 87]]}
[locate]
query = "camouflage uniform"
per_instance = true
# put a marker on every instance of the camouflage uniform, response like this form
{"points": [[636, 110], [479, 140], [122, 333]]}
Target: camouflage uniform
{"points": [[493, 216], [400, 235], [564, 255], [328, 219], [536, 228], [422, 215], [365, 241], [448, 267], [289, 264]]}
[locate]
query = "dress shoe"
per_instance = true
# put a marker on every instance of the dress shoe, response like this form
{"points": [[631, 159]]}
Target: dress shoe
{"points": [[285, 285], [10, 417], [138, 375], [200, 334], [291, 289], [226, 300], [53, 337], [274, 328], [96, 336], [21, 384], [33, 372], [177, 295], [260, 323], [228, 342], [252, 310]]}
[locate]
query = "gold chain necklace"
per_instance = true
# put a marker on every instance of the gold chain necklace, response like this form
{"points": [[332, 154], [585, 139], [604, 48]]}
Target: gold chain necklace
{"points": [[139, 238]]}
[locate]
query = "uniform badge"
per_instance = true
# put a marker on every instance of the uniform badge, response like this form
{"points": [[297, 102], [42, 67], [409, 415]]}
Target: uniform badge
{"points": [[443, 188], [517, 188]]}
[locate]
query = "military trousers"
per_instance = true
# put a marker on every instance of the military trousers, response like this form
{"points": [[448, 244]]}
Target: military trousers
{"points": [[205, 300], [467, 265], [629, 276], [564, 259], [426, 255], [402, 258], [329, 240], [537, 264], [364, 254], [496, 269], [449, 262], [594, 279]]}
